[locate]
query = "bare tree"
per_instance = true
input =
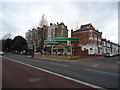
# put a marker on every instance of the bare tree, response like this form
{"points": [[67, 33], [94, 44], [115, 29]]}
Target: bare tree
{"points": [[7, 36], [43, 21]]}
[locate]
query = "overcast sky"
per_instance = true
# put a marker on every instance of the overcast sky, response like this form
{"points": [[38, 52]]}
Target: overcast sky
{"points": [[18, 17]]}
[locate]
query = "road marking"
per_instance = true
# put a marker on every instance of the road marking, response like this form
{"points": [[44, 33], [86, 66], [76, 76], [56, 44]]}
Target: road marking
{"points": [[59, 64], [100, 71], [69, 78]]}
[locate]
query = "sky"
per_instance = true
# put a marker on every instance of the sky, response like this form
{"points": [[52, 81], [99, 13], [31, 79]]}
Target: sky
{"points": [[19, 17]]}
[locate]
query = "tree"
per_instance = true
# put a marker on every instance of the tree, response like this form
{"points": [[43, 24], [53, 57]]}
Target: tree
{"points": [[7, 45], [43, 21], [7, 36], [19, 44], [7, 42]]}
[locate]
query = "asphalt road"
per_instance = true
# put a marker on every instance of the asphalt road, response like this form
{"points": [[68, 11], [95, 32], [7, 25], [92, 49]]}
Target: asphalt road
{"points": [[17, 75], [103, 77]]}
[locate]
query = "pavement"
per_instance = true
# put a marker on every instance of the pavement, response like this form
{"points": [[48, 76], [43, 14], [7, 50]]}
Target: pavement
{"points": [[17, 75]]}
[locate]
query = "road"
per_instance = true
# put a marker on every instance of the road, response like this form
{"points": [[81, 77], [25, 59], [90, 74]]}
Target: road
{"points": [[103, 77], [17, 75]]}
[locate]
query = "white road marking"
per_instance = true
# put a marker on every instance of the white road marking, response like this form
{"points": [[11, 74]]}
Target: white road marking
{"points": [[59, 64], [69, 78], [100, 71]]}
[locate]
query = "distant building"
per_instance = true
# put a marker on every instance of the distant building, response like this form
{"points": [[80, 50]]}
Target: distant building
{"points": [[61, 30], [51, 31], [57, 30], [104, 46], [28, 36], [90, 40], [35, 38], [86, 41], [110, 47]]}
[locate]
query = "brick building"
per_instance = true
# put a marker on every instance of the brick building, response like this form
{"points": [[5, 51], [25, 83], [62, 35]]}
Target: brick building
{"points": [[57, 30], [90, 40], [61, 30], [36, 37]]}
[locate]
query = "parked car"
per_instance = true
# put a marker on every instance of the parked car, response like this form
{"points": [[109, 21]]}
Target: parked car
{"points": [[1, 53], [109, 55]]}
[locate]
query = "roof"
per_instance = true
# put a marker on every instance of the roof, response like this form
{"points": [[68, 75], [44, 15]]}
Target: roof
{"points": [[85, 27]]}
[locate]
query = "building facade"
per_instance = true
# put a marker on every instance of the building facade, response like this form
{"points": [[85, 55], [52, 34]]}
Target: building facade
{"points": [[57, 30], [104, 46], [35, 38], [110, 47], [51, 31], [90, 40], [61, 30]]}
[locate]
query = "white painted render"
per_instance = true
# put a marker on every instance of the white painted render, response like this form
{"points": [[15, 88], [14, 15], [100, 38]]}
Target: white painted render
{"points": [[92, 49]]}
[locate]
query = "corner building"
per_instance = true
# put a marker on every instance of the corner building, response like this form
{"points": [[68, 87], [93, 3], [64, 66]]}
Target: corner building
{"points": [[90, 41]]}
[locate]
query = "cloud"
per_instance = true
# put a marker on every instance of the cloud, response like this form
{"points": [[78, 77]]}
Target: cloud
{"points": [[18, 17]]}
